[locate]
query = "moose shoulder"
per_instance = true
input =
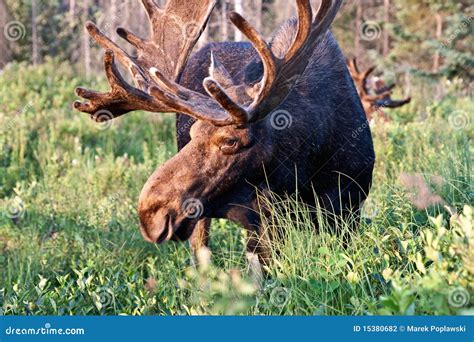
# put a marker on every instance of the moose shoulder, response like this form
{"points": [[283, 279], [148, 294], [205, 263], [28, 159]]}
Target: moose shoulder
{"points": [[282, 116]]}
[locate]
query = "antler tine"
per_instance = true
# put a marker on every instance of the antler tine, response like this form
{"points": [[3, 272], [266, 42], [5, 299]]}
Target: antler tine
{"points": [[305, 18], [389, 103], [130, 37], [268, 58], [151, 8], [163, 52], [368, 72], [122, 56], [116, 102], [106, 43], [353, 67]]}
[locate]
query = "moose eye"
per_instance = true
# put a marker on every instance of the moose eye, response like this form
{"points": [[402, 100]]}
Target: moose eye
{"points": [[229, 144]]}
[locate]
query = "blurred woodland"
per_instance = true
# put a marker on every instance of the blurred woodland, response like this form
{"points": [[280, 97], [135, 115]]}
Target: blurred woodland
{"points": [[410, 41]]}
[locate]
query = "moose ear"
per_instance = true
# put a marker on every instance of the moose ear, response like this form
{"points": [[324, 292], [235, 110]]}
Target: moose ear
{"points": [[219, 73]]}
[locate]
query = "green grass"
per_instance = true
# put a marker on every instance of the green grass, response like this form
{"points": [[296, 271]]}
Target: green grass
{"points": [[69, 239]]}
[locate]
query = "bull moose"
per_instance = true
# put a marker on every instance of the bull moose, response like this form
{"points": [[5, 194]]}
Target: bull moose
{"points": [[374, 93], [252, 118]]}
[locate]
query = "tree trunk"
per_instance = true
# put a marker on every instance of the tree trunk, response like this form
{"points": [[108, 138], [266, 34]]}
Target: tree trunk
{"points": [[358, 25], [257, 14], [34, 33], [439, 33], [386, 33], [239, 8], [86, 43], [224, 20], [5, 51], [72, 8]]}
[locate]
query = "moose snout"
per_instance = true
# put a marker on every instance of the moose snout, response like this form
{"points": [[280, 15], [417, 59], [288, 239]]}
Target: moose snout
{"points": [[158, 229]]}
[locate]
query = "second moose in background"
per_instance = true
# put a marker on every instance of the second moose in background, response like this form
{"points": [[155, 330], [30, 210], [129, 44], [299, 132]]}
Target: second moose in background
{"points": [[374, 93]]}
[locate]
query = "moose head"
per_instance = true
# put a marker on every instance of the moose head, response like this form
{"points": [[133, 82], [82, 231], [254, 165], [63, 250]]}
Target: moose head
{"points": [[374, 93]]}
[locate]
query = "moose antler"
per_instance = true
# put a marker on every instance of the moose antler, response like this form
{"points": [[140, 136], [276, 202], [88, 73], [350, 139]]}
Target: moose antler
{"points": [[155, 72], [174, 32], [381, 96]]}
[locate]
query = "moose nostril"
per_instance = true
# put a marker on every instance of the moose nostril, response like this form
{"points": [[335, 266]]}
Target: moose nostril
{"points": [[158, 231], [145, 234], [164, 230]]}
